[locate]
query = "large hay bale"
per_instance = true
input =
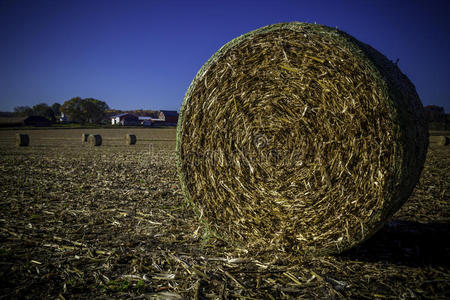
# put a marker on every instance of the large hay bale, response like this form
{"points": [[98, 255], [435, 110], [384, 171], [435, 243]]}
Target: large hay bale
{"points": [[299, 137], [22, 140], [130, 139], [84, 137], [95, 140], [443, 140]]}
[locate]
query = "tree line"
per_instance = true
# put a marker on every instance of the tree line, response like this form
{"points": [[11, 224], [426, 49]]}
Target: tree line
{"points": [[77, 109], [41, 109], [437, 118]]}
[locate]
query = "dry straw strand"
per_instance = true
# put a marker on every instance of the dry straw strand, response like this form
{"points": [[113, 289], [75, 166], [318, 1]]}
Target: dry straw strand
{"points": [[22, 140], [95, 140], [130, 139], [298, 137]]}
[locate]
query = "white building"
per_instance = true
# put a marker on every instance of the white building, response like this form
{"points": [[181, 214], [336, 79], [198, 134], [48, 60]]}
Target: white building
{"points": [[125, 119], [63, 118]]}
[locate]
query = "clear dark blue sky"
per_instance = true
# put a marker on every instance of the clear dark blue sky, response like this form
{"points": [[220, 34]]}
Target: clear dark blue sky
{"points": [[143, 54]]}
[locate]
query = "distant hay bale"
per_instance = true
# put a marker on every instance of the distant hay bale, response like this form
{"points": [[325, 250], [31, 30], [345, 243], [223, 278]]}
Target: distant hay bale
{"points": [[22, 140], [298, 137], [130, 139], [95, 140], [444, 140], [84, 137]]}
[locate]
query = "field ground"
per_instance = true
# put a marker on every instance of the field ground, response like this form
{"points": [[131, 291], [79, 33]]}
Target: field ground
{"points": [[81, 222]]}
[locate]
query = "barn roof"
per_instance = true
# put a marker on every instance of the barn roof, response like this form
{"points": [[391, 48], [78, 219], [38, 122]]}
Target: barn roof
{"points": [[122, 115]]}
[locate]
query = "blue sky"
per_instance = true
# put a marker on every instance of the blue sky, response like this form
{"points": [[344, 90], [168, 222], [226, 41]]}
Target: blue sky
{"points": [[144, 54]]}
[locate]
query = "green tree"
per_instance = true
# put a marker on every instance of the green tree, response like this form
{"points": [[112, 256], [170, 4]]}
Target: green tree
{"points": [[42, 109], [84, 110], [23, 111], [56, 108], [94, 109], [72, 109]]}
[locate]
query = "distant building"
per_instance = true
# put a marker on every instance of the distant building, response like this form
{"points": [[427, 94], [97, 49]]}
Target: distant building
{"points": [[170, 117], [37, 121], [125, 119], [163, 118], [63, 118], [146, 121], [150, 121]]}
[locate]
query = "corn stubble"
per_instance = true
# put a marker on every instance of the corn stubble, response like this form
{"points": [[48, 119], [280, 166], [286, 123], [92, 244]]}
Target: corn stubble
{"points": [[80, 222]]}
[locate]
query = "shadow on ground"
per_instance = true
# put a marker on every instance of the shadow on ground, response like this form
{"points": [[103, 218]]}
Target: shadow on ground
{"points": [[406, 243]]}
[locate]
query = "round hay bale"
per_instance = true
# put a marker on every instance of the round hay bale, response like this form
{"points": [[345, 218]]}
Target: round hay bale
{"points": [[443, 140], [22, 140], [130, 139], [84, 137], [298, 137], [95, 140]]}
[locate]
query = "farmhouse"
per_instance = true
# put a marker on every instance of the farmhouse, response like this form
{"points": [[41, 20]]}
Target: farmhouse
{"points": [[145, 121], [63, 118], [170, 117], [150, 121], [125, 119], [163, 118]]}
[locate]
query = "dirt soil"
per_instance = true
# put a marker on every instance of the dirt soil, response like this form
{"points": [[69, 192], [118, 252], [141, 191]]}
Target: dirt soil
{"points": [[85, 222]]}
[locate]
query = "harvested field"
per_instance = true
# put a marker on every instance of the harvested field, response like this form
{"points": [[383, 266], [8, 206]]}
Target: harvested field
{"points": [[80, 222]]}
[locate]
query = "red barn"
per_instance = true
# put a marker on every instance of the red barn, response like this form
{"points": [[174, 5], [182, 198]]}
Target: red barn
{"points": [[170, 117]]}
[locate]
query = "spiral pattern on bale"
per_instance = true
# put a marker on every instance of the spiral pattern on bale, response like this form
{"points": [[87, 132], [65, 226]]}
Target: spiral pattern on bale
{"points": [[130, 139], [443, 140], [22, 140], [298, 137], [95, 140]]}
